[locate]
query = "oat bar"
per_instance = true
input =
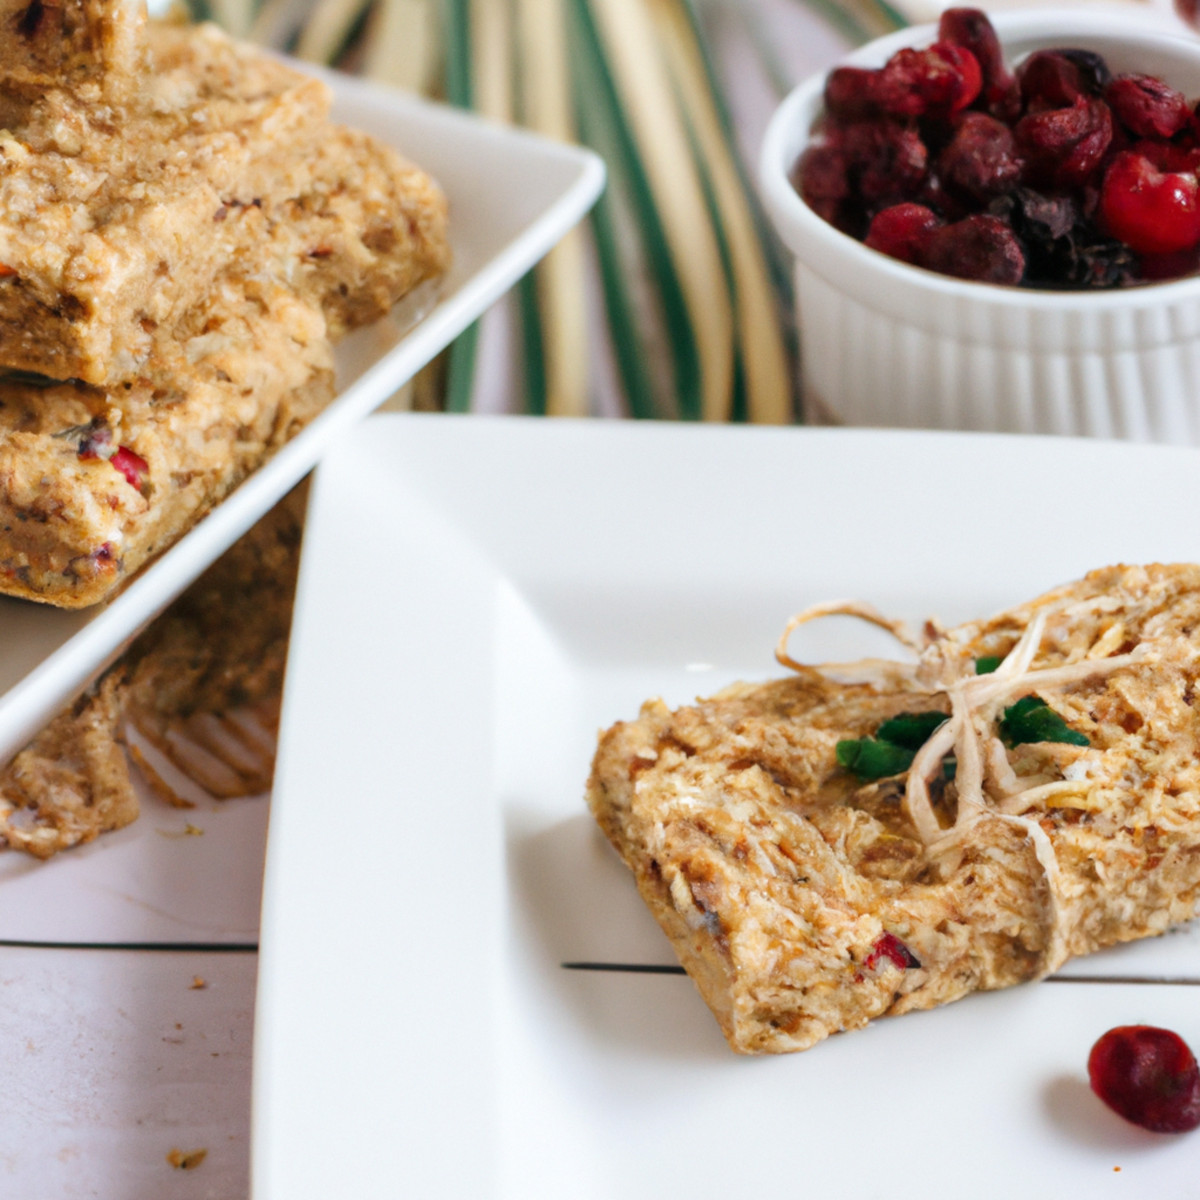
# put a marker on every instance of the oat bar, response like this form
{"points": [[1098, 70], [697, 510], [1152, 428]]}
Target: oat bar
{"points": [[107, 233], [92, 45], [370, 229], [805, 899], [94, 481]]}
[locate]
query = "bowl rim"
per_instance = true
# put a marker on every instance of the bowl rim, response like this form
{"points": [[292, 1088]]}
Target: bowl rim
{"points": [[790, 214]]}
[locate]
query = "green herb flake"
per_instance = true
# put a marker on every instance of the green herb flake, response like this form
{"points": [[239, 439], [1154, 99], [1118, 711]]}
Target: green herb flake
{"points": [[869, 758], [1031, 719], [986, 664], [910, 730]]}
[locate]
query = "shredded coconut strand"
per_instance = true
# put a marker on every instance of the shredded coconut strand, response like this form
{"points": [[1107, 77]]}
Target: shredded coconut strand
{"points": [[976, 702]]}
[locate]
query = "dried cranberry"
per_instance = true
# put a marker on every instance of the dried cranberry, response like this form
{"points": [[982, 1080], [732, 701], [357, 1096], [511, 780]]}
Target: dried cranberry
{"points": [[96, 441], [888, 946], [938, 81], [971, 29], [820, 178], [1094, 68], [982, 248], [1169, 156], [850, 93], [1148, 1076], [1049, 79], [1064, 146], [1147, 107], [101, 561], [132, 465], [1155, 267], [1152, 211], [31, 18], [887, 159], [1062, 248], [981, 159], [902, 230], [947, 159]]}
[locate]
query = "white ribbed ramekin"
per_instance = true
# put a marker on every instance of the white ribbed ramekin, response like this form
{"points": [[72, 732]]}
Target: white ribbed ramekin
{"points": [[885, 343]]}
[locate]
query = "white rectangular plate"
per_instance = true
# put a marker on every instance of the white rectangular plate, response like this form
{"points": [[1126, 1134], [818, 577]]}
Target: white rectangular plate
{"points": [[431, 865], [512, 196]]}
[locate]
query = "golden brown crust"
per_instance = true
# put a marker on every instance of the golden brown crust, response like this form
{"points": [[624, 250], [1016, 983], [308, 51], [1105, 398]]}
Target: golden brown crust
{"points": [[110, 229], [180, 266], [212, 409], [213, 660], [95, 45], [795, 894], [71, 783], [370, 229]]}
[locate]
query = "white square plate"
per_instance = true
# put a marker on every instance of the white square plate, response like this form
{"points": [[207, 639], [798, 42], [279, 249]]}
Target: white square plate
{"points": [[512, 196], [477, 598]]}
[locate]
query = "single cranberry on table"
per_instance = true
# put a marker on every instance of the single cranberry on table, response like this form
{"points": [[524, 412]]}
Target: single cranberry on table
{"points": [[1148, 1076]]}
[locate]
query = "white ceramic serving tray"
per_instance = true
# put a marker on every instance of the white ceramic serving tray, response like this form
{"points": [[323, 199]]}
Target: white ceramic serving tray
{"points": [[512, 196], [431, 865]]}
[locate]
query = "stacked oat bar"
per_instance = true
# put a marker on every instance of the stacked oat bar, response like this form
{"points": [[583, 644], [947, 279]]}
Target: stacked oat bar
{"points": [[182, 233]]}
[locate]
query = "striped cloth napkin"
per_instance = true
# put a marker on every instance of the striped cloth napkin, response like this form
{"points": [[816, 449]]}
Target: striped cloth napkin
{"points": [[673, 299]]}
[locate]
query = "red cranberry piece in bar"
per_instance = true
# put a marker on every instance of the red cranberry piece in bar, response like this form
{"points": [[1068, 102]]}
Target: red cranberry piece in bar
{"points": [[1151, 211], [1148, 1076], [132, 465], [971, 29], [938, 81], [1063, 147], [902, 231], [889, 948], [980, 247], [1147, 107], [981, 159]]}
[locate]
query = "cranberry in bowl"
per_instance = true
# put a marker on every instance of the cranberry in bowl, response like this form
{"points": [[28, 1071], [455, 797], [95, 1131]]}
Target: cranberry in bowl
{"points": [[1033, 268]]}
